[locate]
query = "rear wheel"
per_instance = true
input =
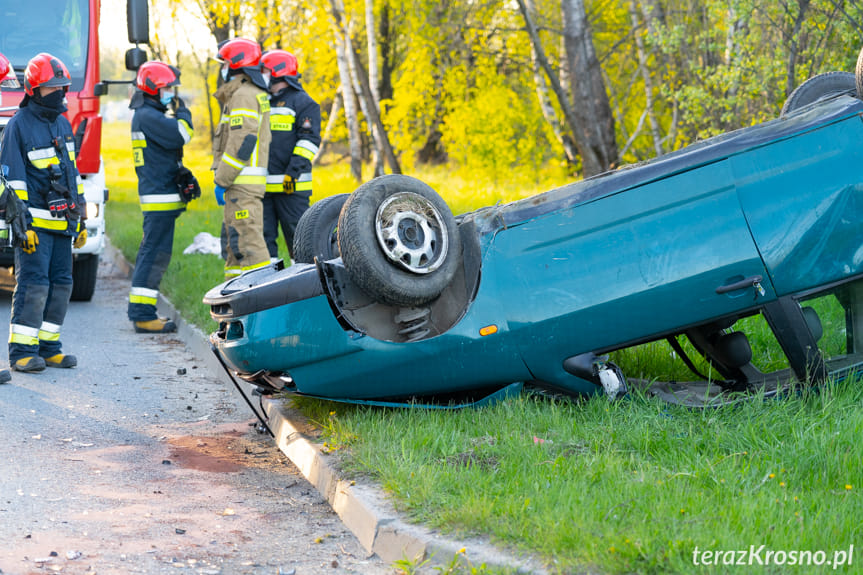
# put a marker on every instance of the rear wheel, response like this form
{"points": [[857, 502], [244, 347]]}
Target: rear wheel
{"points": [[399, 240], [822, 86], [84, 270], [315, 236]]}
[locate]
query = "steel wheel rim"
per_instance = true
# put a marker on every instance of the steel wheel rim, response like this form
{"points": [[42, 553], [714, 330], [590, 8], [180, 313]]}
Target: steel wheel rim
{"points": [[411, 232]]}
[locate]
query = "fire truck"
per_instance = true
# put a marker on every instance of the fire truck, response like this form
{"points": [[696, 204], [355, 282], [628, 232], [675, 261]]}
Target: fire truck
{"points": [[69, 30]]}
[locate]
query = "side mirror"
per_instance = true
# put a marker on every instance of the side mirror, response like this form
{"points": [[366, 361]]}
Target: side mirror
{"points": [[134, 58], [100, 89], [138, 22]]}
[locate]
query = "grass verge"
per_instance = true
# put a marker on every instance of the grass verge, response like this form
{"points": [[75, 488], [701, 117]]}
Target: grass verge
{"points": [[635, 486]]}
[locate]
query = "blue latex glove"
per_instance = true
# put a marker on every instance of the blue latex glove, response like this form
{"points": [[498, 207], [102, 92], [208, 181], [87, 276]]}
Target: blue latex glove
{"points": [[220, 195]]}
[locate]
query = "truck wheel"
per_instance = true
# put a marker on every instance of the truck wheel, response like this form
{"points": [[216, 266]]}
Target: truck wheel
{"points": [[399, 240], [84, 270], [821, 86], [315, 236]]}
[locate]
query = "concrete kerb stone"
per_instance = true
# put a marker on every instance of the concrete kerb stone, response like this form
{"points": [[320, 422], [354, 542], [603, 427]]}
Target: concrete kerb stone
{"points": [[361, 507]]}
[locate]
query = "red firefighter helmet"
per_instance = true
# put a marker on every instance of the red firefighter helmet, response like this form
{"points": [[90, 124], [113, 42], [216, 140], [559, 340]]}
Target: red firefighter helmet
{"points": [[240, 53], [152, 76], [45, 70], [7, 74], [280, 63]]}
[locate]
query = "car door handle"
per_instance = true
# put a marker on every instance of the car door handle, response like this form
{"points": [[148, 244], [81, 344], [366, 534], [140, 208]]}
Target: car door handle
{"points": [[751, 281]]}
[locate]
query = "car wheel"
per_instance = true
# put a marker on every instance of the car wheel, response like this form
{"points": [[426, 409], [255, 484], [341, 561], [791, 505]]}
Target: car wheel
{"points": [[315, 236], [399, 240], [820, 86], [84, 271]]}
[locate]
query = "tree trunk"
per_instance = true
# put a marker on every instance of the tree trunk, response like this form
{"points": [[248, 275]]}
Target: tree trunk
{"points": [[654, 17], [331, 121], [364, 104], [562, 97], [548, 111], [374, 118], [793, 48], [374, 99], [645, 76], [386, 35], [350, 106], [352, 60], [594, 121]]}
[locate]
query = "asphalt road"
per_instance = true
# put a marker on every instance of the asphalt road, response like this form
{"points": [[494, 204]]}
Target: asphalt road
{"points": [[126, 464]]}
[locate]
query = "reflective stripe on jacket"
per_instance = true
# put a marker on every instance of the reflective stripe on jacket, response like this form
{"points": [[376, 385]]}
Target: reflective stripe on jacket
{"points": [[157, 143], [33, 144], [295, 122]]}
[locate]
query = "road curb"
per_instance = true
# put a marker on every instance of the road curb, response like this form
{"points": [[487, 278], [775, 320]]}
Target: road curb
{"points": [[362, 507]]}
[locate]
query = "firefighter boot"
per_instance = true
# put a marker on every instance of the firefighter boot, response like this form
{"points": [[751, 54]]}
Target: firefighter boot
{"points": [[27, 364], [158, 325], [5, 376], [61, 360]]}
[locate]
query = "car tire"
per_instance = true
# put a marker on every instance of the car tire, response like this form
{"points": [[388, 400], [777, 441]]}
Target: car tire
{"points": [[399, 241], [84, 271], [820, 86], [315, 236]]}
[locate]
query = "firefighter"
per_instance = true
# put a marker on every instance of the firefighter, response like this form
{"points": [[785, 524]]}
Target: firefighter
{"points": [[161, 126], [39, 151], [295, 123], [7, 79], [240, 149]]}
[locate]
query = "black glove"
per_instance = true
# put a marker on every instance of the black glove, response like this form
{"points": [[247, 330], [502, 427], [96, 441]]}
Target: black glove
{"points": [[57, 204], [15, 213]]}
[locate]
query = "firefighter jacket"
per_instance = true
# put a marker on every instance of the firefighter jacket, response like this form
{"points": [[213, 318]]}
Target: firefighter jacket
{"points": [[242, 141], [38, 147], [295, 123], [157, 147]]}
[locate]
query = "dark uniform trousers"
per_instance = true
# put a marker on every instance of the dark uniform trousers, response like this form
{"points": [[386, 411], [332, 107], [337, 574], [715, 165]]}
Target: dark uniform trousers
{"points": [[154, 255], [41, 296], [282, 210]]}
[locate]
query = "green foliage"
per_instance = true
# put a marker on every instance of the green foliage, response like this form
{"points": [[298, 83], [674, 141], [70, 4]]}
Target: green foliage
{"points": [[494, 129], [462, 75]]}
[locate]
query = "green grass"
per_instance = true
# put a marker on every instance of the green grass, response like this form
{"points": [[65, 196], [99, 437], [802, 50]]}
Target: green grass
{"points": [[626, 487]]}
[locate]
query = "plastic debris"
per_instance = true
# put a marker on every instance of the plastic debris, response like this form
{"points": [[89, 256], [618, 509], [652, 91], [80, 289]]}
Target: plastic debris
{"points": [[204, 243]]}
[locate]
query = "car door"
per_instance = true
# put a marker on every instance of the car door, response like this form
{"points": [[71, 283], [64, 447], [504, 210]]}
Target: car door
{"points": [[803, 200], [629, 267]]}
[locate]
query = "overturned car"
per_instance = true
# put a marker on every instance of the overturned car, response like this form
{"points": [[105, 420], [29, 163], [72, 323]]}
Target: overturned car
{"points": [[393, 298]]}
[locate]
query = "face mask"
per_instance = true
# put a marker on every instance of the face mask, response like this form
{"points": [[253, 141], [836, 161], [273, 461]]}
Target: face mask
{"points": [[52, 100], [166, 99]]}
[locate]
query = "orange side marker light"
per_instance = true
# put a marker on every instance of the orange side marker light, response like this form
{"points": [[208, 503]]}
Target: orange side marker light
{"points": [[488, 330]]}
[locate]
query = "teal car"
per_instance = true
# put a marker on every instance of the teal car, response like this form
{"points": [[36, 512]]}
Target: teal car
{"points": [[393, 298]]}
